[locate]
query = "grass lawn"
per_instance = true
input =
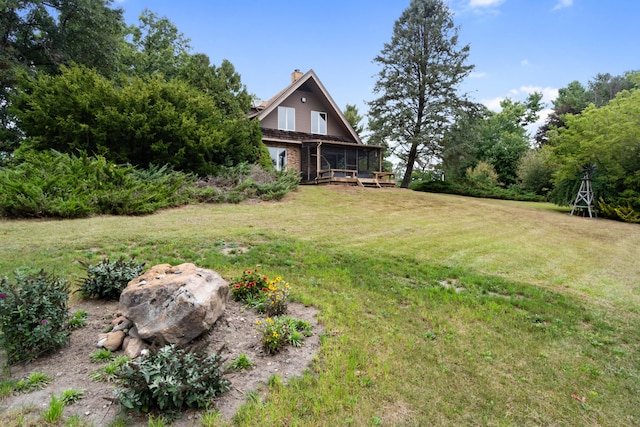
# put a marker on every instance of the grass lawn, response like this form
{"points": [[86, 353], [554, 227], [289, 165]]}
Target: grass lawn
{"points": [[438, 309]]}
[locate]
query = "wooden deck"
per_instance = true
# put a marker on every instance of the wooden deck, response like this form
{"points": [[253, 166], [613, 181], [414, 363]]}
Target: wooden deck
{"points": [[350, 177]]}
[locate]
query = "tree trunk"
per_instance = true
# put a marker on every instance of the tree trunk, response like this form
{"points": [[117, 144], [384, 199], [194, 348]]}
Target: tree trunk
{"points": [[410, 162]]}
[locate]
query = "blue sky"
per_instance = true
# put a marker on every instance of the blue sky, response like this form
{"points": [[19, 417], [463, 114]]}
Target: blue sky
{"points": [[517, 46]]}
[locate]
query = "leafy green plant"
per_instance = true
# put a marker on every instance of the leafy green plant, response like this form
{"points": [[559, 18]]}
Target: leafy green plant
{"points": [[7, 387], [210, 419], [171, 379], [156, 422], [260, 293], [71, 396], [100, 355], [275, 382], [74, 421], [54, 412], [34, 381], [39, 184], [277, 297], [258, 302], [107, 279], [78, 319], [33, 315], [282, 330], [183, 126], [109, 372], [241, 362], [250, 285], [483, 175]]}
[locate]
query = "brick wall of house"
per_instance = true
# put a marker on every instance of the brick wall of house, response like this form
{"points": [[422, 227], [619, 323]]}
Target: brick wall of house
{"points": [[293, 153]]}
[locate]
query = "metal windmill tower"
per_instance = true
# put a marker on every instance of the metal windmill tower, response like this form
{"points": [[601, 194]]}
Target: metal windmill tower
{"points": [[584, 199]]}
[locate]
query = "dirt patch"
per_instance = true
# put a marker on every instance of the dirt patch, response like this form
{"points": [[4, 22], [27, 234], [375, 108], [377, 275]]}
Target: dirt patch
{"points": [[235, 333]]}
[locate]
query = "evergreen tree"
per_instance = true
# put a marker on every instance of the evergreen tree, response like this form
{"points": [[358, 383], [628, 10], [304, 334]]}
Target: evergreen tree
{"points": [[354, 118], [417, 85]]}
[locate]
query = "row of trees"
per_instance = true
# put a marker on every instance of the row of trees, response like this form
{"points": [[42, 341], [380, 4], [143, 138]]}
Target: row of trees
{"points": [[75, 78], [596, 128], [423, 119]]}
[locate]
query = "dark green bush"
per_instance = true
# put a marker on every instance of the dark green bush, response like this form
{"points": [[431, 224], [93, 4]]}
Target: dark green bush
{"points": [[106, 280], [33, 315], [172, 379], [136, 121], [50, 184], [619, 212], [461, 189]]}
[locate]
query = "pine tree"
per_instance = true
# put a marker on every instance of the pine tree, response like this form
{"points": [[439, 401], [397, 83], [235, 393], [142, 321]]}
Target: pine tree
{"points": [[417, 85]]}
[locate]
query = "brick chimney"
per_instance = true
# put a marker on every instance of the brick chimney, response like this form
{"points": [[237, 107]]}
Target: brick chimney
{"points": [[295, 76]]}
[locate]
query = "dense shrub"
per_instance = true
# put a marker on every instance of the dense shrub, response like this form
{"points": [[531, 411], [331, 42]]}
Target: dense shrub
{"points": [[51, 184], [462, 189], [244, 181], [482, 176], [535, 171], [137, 121], [106, 280], [626, 213], [172, 379], [33, 315]]}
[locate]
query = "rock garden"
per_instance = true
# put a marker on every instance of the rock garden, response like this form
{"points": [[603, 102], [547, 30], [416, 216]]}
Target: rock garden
{"points": [[181, 343]]}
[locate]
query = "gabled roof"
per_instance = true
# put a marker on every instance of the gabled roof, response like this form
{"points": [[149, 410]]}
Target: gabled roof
{"points": [[267, 107]]}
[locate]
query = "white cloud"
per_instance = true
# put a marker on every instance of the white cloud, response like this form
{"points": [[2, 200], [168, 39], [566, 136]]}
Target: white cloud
{"points": [[475, 75], [485, 3], [520, 94], [543, 114], [548, 93], [562, 4], [524, 62], [493, 104]]}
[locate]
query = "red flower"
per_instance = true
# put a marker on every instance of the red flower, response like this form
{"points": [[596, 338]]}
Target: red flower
{"points": [[265, 289], [238, 286], [265, 278]]}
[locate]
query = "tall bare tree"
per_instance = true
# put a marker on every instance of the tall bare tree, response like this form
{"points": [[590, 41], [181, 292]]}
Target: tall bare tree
{"points": [[417, 85]]}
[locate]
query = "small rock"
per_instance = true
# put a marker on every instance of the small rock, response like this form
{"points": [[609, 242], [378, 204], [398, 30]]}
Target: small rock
{"points": [[114, 340], [101, 341], [121, 323], [135, 347], [133, 332]]}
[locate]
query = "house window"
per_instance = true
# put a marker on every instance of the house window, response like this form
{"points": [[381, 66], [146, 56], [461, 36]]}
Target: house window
{"points": [[278, 158], [318, 122], [286, 118]]}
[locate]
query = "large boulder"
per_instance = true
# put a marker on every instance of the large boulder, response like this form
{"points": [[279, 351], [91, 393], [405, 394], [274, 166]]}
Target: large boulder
{"points": [[173, 305]]}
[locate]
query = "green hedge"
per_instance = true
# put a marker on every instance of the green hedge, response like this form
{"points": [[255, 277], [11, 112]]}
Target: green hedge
{"points": [[494, 192], [38, 184]]}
